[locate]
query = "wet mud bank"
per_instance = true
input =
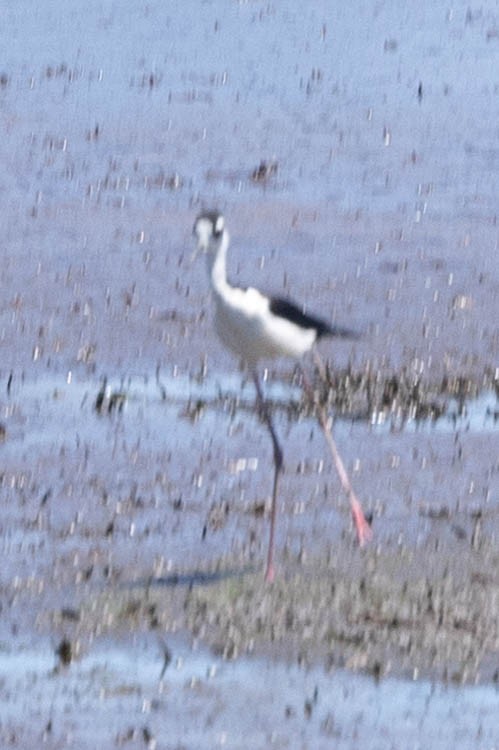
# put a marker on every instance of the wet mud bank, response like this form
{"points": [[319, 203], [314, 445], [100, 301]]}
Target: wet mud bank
{"points": [[133, 537], [353, 151]]}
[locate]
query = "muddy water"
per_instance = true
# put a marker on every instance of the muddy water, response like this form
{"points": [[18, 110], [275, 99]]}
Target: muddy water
{"points": [[197, 700], [353, 152], [109, 535]]}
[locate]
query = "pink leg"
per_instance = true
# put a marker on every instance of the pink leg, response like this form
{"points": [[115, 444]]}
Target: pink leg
{"points": [[278, 461], [364, 531], [270, 571]]}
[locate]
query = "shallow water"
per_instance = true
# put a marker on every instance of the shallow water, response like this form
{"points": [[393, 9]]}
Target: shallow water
{"points": [[124, 690], [353, 151], [156, 401]]}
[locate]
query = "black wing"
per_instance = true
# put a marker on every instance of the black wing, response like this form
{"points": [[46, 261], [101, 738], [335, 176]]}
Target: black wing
{"points": [[286, 309]]}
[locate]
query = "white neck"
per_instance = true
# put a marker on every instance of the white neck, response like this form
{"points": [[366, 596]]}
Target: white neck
{"points": [[217, 265]]}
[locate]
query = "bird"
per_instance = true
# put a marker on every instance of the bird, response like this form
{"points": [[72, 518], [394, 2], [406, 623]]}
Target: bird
{"points": [[257, 327]]}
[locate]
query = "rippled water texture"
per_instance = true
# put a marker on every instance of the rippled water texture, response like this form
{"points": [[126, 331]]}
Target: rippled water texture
{"points": [[353, 150]]}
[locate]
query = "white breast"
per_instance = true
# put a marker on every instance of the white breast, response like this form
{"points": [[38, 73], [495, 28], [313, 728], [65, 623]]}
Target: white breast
{"points": [[246, 326]]}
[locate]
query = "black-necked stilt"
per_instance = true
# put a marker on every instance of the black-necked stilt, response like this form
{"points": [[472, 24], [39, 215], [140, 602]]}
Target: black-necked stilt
{"points": [[257, 327]]}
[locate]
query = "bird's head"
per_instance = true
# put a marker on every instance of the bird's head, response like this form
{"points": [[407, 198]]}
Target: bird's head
{"points": [[209, 229]]}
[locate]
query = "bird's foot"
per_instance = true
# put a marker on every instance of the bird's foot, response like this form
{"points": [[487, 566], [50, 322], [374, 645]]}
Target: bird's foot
{"points": [[269, 574], [362, 526]]}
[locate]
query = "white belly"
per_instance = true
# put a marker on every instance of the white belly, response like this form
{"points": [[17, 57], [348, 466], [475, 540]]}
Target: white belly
{"points": [[252, 333]]}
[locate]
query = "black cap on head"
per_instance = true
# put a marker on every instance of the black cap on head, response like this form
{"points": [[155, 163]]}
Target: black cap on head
{"points": [[216, 219]]}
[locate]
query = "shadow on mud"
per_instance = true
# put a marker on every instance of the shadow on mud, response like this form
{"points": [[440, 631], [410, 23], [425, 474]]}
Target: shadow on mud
{"points": [[190, 579]]}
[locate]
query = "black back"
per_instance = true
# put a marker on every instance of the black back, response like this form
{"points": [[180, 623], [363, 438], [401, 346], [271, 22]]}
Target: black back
{"points": [[286, 309]]}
